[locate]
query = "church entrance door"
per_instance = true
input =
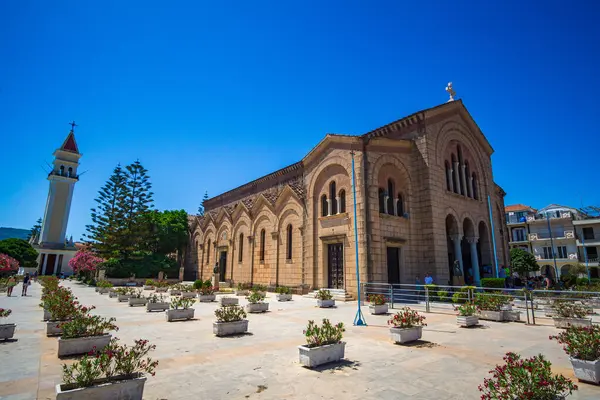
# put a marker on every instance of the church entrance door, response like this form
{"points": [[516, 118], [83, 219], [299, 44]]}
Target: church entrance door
{"points": [[50, 261], [335, 263], [393, 264], [222, 266]]}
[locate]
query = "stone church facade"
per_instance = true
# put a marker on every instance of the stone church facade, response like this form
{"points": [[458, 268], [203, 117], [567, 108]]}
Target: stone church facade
{"points": [[422, 186]]}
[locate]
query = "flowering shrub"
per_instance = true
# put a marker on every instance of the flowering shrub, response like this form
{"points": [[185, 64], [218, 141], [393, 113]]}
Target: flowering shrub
{"points": [[161, 284], [187, 288], [323, 294], [466, 309], [377, 299], [62, 304], [568, 309], [322, 335], [182, 303], [157, 298], [582, 343], [206, 288], [149, 282], [84, 261], [491, 302], [125, 291], [283, 290], [104, 284], [85, 325], [113, 360], [530, 378], [255, 297], [137, 294], [5, 312], [8, 264], [407, 318], [230, 314]]}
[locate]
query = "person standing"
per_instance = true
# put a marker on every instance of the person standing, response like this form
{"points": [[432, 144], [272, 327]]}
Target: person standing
{"points": [[26, 283], [12, 282], [428, 279]]}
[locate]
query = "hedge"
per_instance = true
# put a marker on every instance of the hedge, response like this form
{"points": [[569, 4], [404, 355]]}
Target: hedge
{"points": [[492, 283]]}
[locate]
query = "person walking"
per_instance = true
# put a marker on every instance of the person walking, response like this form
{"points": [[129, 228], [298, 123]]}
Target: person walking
{"points": [[26, 283], [12, 282]]}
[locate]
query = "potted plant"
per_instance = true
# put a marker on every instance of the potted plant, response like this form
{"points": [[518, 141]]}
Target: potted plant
{"points": [[180, 309], [582, 344], [7, 331], [228, 301], [242, 289], [467, 314], [284, 293], [377, 304], [323, 344], [230, 321], [124, 293], [149, 284], [206, 293], [112, 292], [256, 303], [529, 378], [157, 302], [161, 286], [324, 299], [175, 290], [115, 372], [407, 326], [262, 289], [137, 298], [490, 306], [569, 313], [187, 291], [62, 306], [103, 286], [85, 333]]}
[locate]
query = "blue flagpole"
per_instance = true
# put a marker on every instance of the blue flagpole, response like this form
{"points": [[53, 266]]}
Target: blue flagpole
{"points": [[493, 235], [359, 318], [587, 267]]}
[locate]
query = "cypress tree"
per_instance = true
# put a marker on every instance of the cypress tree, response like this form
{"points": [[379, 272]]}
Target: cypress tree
{"points": [[201, 208]]}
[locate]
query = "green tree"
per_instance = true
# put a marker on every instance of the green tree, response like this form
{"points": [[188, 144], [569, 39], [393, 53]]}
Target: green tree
{"points": [[201, 207], [136, 204], [36, 229], [169, 231], [21, 251], [523, 261], [107, 217]]}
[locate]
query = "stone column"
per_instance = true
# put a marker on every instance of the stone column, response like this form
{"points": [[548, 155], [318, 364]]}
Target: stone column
{"points": [[385, 203], [450, 179], [474, 260], [471, 192], [464, 179], [329, 207], [456, 178], [458, 280], [44, 264], [396, 206], [337, 203]]}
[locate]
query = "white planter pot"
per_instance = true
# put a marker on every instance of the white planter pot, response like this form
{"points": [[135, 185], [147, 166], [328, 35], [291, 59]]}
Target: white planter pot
{"points": [[161, 289], [284, 297], [188, 295], [230, 328], [229, 301], [112, 294], [175, 292], [242, 292], [315, 356], [377, 310], [512, 315], [468, 320], [146, 287], [257, 307], [47, 315], [96, 289], [588, 371], [405, 335], [157, 306], [207, 298], [68, 347], [565, 322], [53, 328], [325, 303], [103, 290], [506, 307], [7, 331], [137, 301], [118, 388], [497, 316], [262, 293], [123, 297], [181, 314]]}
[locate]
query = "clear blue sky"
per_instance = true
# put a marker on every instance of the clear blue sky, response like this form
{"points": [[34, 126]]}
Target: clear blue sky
{"points": [[210, 95]]}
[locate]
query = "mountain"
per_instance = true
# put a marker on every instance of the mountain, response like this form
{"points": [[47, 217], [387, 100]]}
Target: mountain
{"points": [[8, 233]]}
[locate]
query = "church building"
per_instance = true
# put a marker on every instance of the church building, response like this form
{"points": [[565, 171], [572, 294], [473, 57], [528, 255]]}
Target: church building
{"points": [[422, 187]]}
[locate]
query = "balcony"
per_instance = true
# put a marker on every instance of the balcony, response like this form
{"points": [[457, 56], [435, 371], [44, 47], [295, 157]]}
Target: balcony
{"points": [[539, 217], [565, 235], [571, 257]]}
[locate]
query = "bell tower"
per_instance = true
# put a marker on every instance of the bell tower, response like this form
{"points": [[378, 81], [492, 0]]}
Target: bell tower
{"points": [[52, 245]]}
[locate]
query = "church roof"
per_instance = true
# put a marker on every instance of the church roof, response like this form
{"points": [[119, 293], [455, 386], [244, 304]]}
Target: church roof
{"points": [[70, 144]]}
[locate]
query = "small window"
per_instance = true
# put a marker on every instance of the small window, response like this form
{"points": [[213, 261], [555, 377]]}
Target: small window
{"points": [[448, 175], [241, 248], [70, 172], [332, 198], [262, 245], [342, 201], [62, 170], [289, 242], [381, 200], [324, 210], [208, 252], [390, 199], [588, 233]]}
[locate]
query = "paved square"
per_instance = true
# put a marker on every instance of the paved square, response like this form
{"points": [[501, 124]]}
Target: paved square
{"points": [[193, 363]]}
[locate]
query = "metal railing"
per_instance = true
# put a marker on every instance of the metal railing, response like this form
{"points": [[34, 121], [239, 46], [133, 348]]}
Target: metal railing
{"points": [[536, 304]]}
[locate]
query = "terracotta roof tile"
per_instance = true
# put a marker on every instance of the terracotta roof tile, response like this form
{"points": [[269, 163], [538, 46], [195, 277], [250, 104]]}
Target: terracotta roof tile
{"points": [[517, 207]]}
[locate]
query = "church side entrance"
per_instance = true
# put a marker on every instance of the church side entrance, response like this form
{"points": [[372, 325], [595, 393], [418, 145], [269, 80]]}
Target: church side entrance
{"points": [[222, 265], [335, 265], [393, 264]]}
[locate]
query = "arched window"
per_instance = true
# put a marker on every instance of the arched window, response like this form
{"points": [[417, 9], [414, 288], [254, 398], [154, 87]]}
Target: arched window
{"points": [[468, 191], [400, 205], [262, 245], [62, 170], [381, 200], [70, 172], [456, 180], [289, 243], [208, 252], [342, 201], [475, 188], [241, 247], [448, 176], [332, 199], [324, 210], [390, 199]]}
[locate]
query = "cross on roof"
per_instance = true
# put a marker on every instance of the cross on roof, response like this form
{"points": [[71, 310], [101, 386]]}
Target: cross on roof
{"points": [[73, 125]]}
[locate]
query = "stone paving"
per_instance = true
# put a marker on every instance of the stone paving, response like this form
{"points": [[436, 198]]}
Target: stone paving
{"points": [[448, 364]]}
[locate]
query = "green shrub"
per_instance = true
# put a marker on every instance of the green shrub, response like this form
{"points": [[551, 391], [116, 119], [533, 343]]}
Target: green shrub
{"points": [[323, 294], [442, 295], [198, 284], [149, 282], [582, 281], [492, 283], [283, 290], [322, 335], [260, 288], [230, 314], [255, 297]]}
